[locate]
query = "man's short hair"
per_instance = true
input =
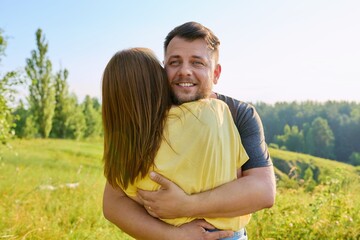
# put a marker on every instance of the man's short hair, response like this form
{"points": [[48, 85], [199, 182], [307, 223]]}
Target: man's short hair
{"points": [[191, 31]]}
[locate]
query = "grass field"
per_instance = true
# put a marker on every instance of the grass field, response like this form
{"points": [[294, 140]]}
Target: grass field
{"points": [[52, 189]]}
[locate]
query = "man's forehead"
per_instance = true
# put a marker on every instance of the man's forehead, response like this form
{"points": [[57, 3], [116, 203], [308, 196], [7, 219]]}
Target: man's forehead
{"points": [[178, 46], [177, 56], [190, 53]]}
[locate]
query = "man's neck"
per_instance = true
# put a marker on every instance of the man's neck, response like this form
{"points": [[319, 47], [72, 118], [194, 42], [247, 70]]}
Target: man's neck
{"points": [[213, 95]]}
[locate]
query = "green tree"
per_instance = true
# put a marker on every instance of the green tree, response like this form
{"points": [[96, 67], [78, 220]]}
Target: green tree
{"points": [[76, 125], [7, 91], [322, 138], [5, 109], [96, 104], [292, 139], [41, 98], [355, 158], [92, 117], [3, 43], [308, 139], [63, 106], [23, 121], [343, 118]]}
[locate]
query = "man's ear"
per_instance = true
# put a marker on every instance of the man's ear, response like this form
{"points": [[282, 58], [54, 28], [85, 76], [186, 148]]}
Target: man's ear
{"points": [[217, 73]]}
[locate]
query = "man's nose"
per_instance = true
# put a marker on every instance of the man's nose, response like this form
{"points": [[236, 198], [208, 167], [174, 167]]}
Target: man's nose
{"points": [[185, 70]]}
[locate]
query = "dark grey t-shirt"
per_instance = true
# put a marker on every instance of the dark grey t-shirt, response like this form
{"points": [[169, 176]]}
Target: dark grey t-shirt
{"points": [[251, 131]]}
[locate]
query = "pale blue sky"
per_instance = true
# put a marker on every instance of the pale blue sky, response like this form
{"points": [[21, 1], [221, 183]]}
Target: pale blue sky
{"points": [[278, 50]]}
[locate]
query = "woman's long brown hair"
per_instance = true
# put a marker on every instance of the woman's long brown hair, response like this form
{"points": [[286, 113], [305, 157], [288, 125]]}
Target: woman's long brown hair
{"points": [[135, 102]]}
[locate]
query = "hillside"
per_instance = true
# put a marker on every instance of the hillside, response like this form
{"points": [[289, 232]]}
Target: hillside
{"points": [[316, 199], [291, 165]]}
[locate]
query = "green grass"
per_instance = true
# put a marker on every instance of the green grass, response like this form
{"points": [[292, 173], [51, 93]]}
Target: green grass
{"points": [[37, 203], [328, 210]]}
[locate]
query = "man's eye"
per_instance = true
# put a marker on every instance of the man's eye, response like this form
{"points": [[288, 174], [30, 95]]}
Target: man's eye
{"points": [[198, 63], [174, 63]]}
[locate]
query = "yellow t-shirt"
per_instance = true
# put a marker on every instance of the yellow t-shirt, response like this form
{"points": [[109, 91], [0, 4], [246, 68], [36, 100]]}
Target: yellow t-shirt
{"points": [[201, 150]]}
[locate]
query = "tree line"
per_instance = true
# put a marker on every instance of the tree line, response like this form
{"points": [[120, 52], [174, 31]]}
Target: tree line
{"points": [[49, 110], [329, 130]]}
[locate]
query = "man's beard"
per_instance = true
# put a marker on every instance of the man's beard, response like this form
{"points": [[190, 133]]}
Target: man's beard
{"points": [[177, 100]]}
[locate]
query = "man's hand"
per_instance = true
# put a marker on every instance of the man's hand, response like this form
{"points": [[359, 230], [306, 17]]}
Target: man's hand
{"points": [[170, 201], [197, 230]]}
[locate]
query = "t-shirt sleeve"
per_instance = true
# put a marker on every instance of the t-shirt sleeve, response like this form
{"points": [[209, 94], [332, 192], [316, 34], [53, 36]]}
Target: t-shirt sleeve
{"points": [[252, 136], [250, 127]]}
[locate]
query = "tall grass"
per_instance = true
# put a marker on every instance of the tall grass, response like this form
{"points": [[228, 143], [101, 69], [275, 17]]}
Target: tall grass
{"points": [[52, 189]]}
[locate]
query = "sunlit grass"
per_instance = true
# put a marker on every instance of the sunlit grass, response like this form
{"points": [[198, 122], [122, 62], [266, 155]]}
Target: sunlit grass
{"points": [[329, 211], [52, 189]]}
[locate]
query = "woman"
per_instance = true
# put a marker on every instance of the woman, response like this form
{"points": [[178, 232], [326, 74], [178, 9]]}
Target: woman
{"points": [[196, 144]]}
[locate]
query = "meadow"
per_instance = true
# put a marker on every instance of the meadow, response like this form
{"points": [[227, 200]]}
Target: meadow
{"points": [[52, 189]]}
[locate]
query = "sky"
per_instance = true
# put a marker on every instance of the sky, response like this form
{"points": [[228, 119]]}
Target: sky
{"points": [[271, 51]]}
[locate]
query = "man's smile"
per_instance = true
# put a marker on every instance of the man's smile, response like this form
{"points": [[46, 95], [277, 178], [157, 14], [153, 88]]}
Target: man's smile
{"points": [[185, 84]]}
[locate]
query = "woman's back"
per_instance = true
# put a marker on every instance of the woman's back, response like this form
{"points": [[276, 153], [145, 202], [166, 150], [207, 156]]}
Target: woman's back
{"points": [[201, 149]]}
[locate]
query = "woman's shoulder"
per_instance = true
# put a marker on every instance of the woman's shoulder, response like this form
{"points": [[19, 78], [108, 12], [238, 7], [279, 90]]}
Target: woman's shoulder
{"points": [[206, 105]]}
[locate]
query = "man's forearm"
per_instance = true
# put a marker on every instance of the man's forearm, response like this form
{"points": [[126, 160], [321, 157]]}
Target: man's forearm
{"points": [[254, 191]]}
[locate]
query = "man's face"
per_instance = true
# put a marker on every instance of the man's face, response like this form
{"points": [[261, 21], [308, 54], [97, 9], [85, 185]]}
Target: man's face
{"points": [[191, 69]]}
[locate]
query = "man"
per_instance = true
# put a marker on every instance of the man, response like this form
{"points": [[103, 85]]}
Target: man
{"points": [[191, 63]]}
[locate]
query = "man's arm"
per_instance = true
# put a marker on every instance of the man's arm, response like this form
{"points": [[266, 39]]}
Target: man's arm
{"points": [[254, 191], [133, 219]]}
